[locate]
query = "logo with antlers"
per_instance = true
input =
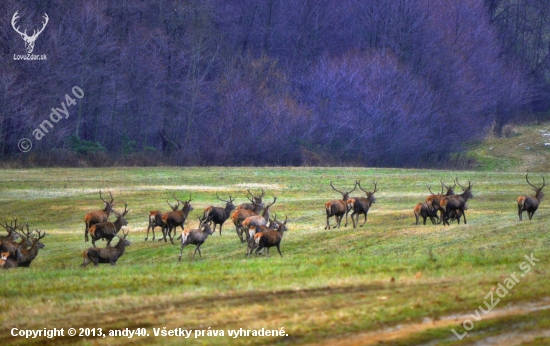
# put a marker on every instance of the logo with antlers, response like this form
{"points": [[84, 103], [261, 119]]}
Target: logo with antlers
{"points": [[29, 40]]}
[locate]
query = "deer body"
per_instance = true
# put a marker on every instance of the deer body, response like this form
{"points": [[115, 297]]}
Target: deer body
{"points": [[240, 215], [108, 230], [257, 220], [422, 210], [528, 203], [195, 237], [434, 199], [28, 255], [155, 219], [218, 215], [5, 262], [106, 255], [456, 202], [267, 239], [98, 216], [338, 208], [173, 219], [361, 205]]}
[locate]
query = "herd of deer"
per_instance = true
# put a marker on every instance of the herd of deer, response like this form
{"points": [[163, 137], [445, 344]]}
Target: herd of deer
{"points": [[252, 222]]}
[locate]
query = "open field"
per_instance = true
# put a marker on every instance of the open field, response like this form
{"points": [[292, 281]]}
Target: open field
{"points": [[331, 286]]}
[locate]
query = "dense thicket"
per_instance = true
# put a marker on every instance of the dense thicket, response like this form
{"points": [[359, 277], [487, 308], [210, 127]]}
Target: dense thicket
{"points": [[388, 83]]}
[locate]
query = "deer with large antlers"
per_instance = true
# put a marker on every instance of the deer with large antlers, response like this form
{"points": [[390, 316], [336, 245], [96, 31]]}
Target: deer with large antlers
{"points": [[195, 237], [218, 215], [528, 203], [254, 201], [155, 218], [173, 219], [361, 205], [109, 230], [29, 40], [257, 220], [240, 215], [267, 239], [98, 216], [338, 208], [28, 255], [432, 201], [12, 234], [106, 255], [455, 203]]}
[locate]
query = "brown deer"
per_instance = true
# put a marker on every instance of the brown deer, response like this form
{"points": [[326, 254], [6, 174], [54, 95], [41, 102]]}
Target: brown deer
{"points": [[218, 215], [456, 202], [422, 210], [240, 215], [173, 219], [257, 220], [98, 216], [433, 200], [12, 234], [6, 262], [108, 230], [155, 219], [267, 239], [28, 255], [255, 200], [108, 254], [338, 208], [361, 205], [195, 237], [528, 203]]}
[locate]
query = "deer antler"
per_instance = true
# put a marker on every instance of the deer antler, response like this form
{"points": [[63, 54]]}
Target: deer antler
{"points": [[335, 188], [174, 207], [430, 189], [354, 187], [274, 200], [375, 188]]}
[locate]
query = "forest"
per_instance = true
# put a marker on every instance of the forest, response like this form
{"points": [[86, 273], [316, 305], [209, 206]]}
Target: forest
{"points": [[403, 83]]}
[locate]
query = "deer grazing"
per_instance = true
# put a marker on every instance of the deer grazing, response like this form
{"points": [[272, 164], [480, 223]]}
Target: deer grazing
{"points": [[361, 205], [155, 218], [434, 199], [338, 208], [422, 210], [254, 201], [108, 254], [29, 40], [240, 215], [267, 239], [98, 216], [108, 230], [195, 237], [528, 203], [173, 219], [257, 220], [455, 203], [219, 215]]}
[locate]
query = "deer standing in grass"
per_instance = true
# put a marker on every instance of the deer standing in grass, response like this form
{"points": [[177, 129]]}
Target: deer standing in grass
{"points": [[240, 215], [219, 215], [195, 237], [173, 219], [422, 210], [267, 239], [338, 208], [361, 205], [108, 230], [528, 203], [155, 219], [108, 254], [455, 203], [257, 220], [434, 199], [98, 216]]}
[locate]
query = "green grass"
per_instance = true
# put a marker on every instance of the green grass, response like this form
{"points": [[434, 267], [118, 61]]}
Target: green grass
{"points": [[329, 286]]}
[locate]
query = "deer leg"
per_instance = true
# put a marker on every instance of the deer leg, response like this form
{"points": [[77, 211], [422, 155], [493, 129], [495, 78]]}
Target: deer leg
{"points": [[259, 248], [464, 215], [278, 249], [346, 223], [86, 233], [199, 249], [364, 222], [327, 224], [220, 228], [519, 213], [181, 250]]}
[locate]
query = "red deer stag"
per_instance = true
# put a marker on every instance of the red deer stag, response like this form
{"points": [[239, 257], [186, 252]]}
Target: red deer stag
{"points": [[218, 215], [528, 203], [109, 230], [173, 219], [108, 254], [98, 216], [361, 205], [257, 220], [455, 203], [240, 215], [267, 239], [434, 199], [28, 255], [256, 200], [155, 219], [195, 237], [422, 210], [338, 208]]}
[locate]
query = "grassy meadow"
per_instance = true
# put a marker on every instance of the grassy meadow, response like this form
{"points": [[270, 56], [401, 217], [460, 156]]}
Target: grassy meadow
{"points": [[390, 282]]}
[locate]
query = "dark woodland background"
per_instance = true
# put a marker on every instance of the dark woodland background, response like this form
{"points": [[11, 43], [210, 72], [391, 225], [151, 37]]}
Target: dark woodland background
{"points": [[248, 82]]}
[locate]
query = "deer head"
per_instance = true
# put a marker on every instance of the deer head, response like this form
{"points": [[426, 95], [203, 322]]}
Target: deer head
{"points": [[29, 40], [108, 205], [467, 190], [257, 199], [370, 195], [538, 190]]}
